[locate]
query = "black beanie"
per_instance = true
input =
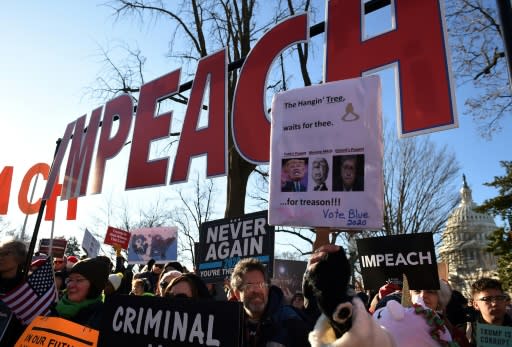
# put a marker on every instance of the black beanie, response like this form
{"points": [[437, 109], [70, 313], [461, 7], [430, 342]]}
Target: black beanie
{"points": [[174, 265], [94, 270]]}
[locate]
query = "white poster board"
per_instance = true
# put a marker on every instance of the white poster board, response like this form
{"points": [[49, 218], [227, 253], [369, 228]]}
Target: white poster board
{"points": [[326, 156], [90, 245]]}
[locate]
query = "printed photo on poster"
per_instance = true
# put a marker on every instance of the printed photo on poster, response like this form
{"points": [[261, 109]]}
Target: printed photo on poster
{"points": [[158, 243], [348, 173], [294, 175], [320, 174]]}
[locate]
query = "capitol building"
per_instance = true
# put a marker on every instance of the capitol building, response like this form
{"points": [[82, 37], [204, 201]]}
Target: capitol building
{"points": [[464, 241]]}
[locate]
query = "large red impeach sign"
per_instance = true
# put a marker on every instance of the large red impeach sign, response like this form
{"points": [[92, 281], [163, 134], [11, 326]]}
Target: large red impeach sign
{"points": [[416, 46]]}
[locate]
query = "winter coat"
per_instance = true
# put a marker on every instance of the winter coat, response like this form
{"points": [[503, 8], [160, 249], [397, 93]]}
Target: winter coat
{"points": [[280, 325], [10, 327]]}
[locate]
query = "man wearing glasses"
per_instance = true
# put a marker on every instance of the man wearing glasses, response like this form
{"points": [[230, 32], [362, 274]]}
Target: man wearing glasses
{"points": [[268, 320], [490, 301]]}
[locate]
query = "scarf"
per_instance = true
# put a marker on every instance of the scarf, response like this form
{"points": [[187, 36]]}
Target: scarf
{"points": [[68, 309]]}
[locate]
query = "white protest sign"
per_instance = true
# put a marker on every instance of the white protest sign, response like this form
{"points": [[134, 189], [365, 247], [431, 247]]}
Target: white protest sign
{"points": [[90, 245], [326, 156]]}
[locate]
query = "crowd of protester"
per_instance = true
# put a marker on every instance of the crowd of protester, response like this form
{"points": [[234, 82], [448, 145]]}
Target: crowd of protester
{"points": [[328, 313]]}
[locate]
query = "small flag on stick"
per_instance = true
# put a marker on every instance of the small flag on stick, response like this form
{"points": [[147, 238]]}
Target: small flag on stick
{"points": [[35, 296]]}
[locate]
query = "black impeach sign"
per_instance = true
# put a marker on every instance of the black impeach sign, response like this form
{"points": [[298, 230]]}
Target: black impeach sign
{"points": [[141, 321], [383, 258]]}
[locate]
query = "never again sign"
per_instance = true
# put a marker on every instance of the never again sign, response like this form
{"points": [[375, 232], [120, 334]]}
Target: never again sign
{"points": [[137, 321], [222, 243]]}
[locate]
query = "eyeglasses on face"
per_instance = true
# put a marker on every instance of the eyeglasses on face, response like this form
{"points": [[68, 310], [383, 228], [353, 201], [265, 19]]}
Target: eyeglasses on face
{"points": [[496, 298], [247, 286], [6, 252], [75, 280]]}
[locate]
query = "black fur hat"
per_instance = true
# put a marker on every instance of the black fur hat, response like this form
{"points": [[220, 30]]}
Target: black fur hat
{"points": [[328, 282]]}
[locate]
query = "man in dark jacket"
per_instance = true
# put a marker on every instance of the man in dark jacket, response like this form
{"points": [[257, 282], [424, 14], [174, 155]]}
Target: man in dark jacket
{"points": [[490, 301], [152, 275], [267, 319]]}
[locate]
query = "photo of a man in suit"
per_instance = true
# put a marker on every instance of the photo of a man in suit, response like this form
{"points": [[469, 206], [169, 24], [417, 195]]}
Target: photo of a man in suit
{"points": [[295, 172], [348, 173], [319, 173]]}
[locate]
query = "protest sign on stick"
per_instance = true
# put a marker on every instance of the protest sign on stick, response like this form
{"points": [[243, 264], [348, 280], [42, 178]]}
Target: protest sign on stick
{"points": [[223, 242], [390, 257], [117, 237], [137, 321], [54, 331], [326, 156], [90, 245], [159, 243]]}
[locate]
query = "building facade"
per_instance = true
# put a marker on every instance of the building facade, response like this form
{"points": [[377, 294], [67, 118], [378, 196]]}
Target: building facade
{"points": [[464, 241]]}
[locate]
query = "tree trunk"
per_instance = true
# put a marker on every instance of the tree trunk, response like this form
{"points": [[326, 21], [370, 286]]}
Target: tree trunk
{"points": [[238, 175]]}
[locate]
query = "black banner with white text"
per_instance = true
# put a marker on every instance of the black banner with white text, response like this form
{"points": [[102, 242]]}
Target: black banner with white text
{"points": [[142, 321], [222, 243], [383, 258]]}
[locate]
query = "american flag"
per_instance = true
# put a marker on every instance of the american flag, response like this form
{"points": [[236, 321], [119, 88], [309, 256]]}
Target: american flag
{"points": [[33, 297]]}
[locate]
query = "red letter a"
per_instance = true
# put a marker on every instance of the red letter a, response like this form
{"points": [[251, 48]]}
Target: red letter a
{"points": [[211, 139]]}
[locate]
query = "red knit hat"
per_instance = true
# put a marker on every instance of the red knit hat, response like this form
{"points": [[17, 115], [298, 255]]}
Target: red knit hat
{"points": [[72, 259], [38, 262], [388, 288]]}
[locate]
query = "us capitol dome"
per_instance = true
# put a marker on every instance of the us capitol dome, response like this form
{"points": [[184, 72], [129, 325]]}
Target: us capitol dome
{"points": [[464, 241]]}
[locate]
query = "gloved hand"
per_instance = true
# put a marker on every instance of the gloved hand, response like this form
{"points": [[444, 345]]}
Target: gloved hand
{"points": [[327, 278]]}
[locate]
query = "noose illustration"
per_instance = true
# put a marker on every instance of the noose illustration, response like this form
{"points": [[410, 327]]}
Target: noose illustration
{"points": [[349, 110]]}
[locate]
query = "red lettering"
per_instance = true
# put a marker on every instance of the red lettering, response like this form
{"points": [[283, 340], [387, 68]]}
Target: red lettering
{"points": [[72, 207], [417, 45], [250, 126], [120, 108], [57, 161], [26, 206], [141, 172], [210, 140], [5, 188], [51, 203], [80, 155]]}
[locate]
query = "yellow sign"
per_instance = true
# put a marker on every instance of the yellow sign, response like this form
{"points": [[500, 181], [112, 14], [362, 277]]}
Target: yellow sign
{"points": [[57, 332]]}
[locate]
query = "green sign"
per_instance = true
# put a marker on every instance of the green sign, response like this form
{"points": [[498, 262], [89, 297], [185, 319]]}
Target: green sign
{"points": [[493, 335]]}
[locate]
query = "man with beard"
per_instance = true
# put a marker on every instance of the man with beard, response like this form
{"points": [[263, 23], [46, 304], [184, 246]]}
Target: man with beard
{"points": [[269, 322]]}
